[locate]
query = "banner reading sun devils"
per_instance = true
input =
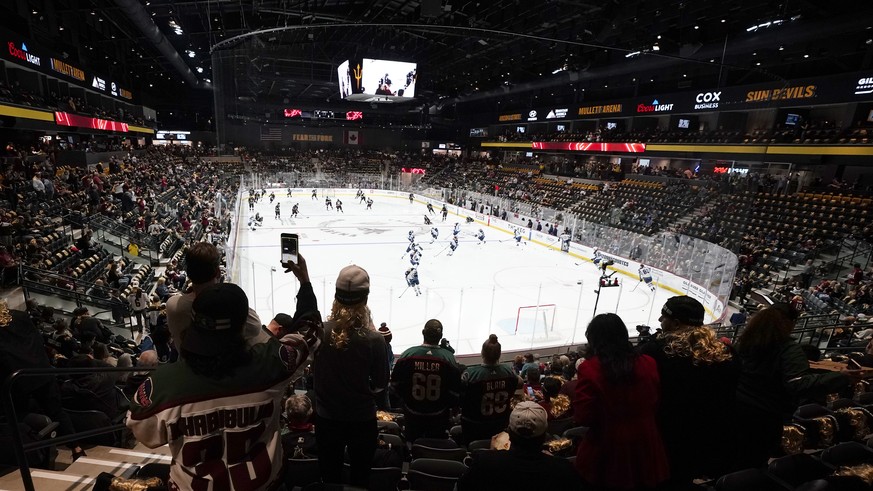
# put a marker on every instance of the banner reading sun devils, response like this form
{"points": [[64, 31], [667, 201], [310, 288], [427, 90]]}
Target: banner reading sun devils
{"points": [[351, 137]]}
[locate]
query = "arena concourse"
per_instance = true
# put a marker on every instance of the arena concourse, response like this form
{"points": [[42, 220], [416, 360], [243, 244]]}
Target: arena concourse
{"points": [[383, 245]]}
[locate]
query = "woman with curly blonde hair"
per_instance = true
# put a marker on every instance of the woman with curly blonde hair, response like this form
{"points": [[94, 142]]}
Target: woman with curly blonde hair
{"points": [[698, 385], [349, 369]]}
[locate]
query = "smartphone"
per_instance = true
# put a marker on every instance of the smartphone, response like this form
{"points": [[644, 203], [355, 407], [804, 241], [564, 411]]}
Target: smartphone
{"points": [[289, 248]]}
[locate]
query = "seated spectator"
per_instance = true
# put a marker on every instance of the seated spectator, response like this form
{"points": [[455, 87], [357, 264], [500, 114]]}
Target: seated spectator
{"points": [[486, 390], [528, 364], [91, 391], [524, 465], [21, 346], [427, 416], [532, 390], [298, 438], [161, 342], [617, 396], [148, 358]]}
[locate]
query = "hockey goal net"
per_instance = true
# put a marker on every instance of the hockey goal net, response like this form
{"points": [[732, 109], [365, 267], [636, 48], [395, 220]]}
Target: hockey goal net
{"points": [[533, 318]]}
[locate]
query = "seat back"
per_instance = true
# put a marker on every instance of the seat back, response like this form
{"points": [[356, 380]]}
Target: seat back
{"points": [[434, 474], [746, 480], [424, 452], [798, 468], [92, 420], [301, 472], [847, 454]]}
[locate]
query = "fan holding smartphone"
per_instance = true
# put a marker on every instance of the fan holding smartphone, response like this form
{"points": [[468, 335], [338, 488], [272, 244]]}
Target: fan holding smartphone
{"points": [[289, 248]]}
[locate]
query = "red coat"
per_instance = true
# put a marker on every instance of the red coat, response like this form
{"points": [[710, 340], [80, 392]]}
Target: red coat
{"points": [[623, 447]]}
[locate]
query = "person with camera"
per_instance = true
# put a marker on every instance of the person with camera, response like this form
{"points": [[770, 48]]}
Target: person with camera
{"points": [[428, 381], [350, 371], [218, 407]]}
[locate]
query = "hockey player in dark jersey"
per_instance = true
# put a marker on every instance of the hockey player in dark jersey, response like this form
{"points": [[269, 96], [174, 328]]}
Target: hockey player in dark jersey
{"points": [[411, 198], [272, 197], [430, 209], [314, 194], [428, 380], [278, 211], [427, 220], [486, 390], [339, 206], [444, 212], [295, 210], [412, 279]]}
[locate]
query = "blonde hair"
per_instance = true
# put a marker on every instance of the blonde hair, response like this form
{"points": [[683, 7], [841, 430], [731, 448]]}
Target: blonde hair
{"points": [[698, 343], [863, 472], [348, 319]]}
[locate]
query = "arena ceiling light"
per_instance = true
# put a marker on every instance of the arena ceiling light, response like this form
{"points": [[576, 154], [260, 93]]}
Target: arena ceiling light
{"points": [[632, 54], [200, 69], [190, 53]]}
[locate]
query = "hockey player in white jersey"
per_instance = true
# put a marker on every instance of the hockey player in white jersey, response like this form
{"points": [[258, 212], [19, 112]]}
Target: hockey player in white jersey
{"points": [[411, 237], [517, 236], [481, 236], [434, 233], [415, 258], [412, 280], [598, 256], [646, 275], [327, 203], [453, 245], [457, 229], [565, 242]]}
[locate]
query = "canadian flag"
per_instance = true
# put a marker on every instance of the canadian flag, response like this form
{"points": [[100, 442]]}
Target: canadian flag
{"points": [[352, 137]]}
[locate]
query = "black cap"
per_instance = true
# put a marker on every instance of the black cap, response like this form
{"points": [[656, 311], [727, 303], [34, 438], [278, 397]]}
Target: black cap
{"points": [[218, 315], [684, 309]]}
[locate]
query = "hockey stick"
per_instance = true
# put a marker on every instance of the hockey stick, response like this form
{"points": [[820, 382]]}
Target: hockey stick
{"points": [[442, 251], [635, 286], [404, 291]]}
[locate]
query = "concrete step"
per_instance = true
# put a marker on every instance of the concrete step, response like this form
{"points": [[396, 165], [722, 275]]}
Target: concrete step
{"points": [[44, 480]]}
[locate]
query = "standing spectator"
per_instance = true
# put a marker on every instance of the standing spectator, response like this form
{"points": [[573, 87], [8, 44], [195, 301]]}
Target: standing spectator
{"points": [[698, 385], [524, 465], [218, 408], [138, 302], [485, 393], [203, 268], [427, 379], [616, 397], [775, 376], [38, 186], [349, 371]]}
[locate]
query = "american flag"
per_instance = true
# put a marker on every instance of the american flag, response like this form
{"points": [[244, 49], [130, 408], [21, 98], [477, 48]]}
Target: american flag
{"points": [[271, 133]]}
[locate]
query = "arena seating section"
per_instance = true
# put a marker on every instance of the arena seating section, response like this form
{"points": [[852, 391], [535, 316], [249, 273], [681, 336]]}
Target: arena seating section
{"points": [[770, 232]]}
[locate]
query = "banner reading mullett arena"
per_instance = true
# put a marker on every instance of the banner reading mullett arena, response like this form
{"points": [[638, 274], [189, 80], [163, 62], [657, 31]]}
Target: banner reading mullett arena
{"points": [[591, 147], [67, 119]]}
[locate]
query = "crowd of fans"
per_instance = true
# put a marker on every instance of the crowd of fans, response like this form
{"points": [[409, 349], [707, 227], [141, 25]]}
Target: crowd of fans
{"points": [[814, 133], [18, 94], [213, 353]]}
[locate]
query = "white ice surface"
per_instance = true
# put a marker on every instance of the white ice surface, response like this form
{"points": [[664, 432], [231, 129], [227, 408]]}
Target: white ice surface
{"points": [[475, 292]]}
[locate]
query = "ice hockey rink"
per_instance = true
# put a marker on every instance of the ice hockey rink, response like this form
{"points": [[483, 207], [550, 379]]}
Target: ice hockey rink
{"points": [[530, 295]]}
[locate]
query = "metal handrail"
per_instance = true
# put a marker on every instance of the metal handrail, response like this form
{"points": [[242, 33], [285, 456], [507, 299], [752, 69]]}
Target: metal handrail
{"points": [[18, 445]]}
